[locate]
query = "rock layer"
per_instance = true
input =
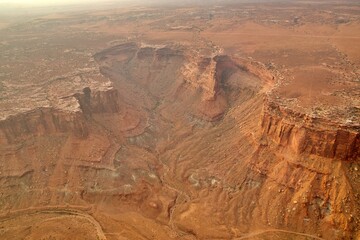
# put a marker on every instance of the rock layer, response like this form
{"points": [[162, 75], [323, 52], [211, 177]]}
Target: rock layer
{"points": [[307, 135], [47, 121]]}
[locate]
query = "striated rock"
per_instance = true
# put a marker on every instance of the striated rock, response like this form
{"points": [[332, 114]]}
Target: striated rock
{"points": [[98, 101], [199, 72], [39, 122], [45, 121], [310, 136]]}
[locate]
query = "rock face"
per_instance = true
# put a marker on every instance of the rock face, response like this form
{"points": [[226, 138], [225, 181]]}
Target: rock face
{"points": [[210, 76], [306, 135], [47, 121], [99, 101], [200, 73], [41, 122]]}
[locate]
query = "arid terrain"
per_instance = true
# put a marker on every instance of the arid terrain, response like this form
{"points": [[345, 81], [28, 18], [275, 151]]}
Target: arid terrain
{"points": [[226, 120]]}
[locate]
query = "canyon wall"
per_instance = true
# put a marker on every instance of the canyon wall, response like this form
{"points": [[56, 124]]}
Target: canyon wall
{"points": [[304, 134], [47, 120]]}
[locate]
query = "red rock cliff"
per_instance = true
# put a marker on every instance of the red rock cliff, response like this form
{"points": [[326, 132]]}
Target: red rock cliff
{"points": [[44, 121], [304, 134]]}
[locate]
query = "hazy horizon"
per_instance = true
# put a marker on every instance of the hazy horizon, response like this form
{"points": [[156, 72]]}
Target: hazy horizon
{"points": [[48, 2], [26, 7]]}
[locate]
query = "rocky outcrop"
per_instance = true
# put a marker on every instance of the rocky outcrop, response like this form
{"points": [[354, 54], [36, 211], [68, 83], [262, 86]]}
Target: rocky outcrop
{"points": [[45, 121], [98, 101], [304, 134], [125, 50], [42, 121], [211, 77], [199, 72]]}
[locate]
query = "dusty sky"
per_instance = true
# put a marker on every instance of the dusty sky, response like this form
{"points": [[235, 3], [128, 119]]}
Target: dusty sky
{"points": [[47, 2]]}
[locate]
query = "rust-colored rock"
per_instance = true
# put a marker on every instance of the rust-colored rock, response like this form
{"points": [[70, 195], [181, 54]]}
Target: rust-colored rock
{"points": [[310, 136]]}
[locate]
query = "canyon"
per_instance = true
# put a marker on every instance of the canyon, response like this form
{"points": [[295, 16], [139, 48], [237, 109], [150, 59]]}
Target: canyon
{"points": [[163, 123]]}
